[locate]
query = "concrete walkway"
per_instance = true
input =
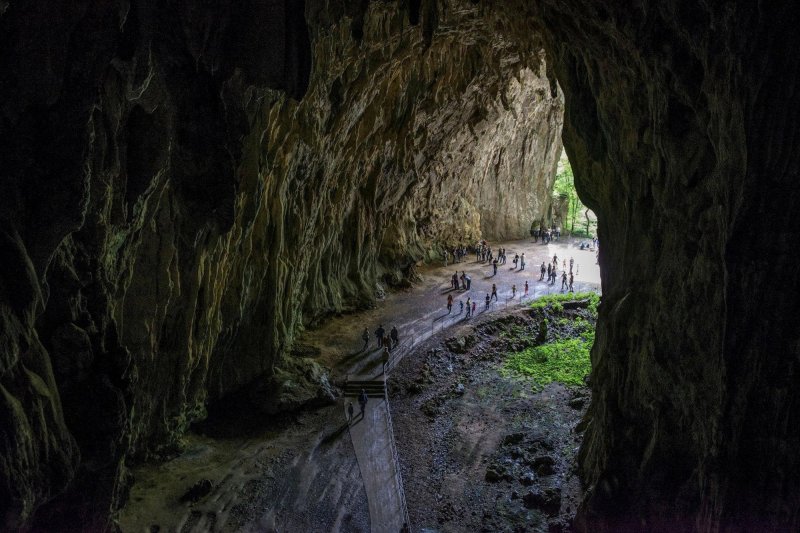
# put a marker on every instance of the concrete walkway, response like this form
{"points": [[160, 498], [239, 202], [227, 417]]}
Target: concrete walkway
{"points": [[420, 312], [372, 442]]}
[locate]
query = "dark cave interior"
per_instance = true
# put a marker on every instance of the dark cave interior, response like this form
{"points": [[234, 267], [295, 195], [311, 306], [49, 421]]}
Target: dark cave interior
{"points": [[166, 164]]}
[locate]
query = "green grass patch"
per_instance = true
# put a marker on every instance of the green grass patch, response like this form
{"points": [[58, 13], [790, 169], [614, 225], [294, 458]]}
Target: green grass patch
{"points": [[555, 301], [565, 361]]}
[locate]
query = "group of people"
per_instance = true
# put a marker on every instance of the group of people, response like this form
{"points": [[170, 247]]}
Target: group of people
{"points": [[458, 253], [547, 235], [552, 273], [380, 337], [466, 281]]}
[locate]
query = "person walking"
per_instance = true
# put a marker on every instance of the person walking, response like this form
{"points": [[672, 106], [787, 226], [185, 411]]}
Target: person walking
{"points": [[494, 267], [516, 260], [526, 288], [379, 334], [365, 338], [487, 301], [385, 358], [522, 261], [571, 280], [395, 336], [445, 258], [362, 401], [555, 260], [350, 411], [571, 262], [542, 270], [513, 291], [469, 308], [449, 303], [474, 306], [494, 291], [564, 280]]}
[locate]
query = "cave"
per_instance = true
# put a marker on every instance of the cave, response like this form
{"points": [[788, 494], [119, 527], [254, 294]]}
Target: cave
{"points": [[186, 188]]}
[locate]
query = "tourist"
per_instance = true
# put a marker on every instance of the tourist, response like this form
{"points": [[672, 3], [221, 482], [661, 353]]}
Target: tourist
{"points": [[474, 305], [494, 267], [469, 313], [522, 261], [445, 257], [379, 333], [362, 401], [350, 410], [526, 288], [563, 280], [555, 260], [571, 280], [571, 262], [469, 282], [385, 358], [394, 336], [365, 338], [542, 270], [487, 300], [449, 303], [494, 291], [549, 271], [516, 260], [513, 291]]}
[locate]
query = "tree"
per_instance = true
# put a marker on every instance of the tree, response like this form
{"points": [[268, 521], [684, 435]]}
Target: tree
{"points": [[564, 187]]}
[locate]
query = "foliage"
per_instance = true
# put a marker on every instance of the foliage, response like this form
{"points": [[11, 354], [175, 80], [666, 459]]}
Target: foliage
{"points": [[564, 186], [553, 302], [566, 358], [565, 361]]}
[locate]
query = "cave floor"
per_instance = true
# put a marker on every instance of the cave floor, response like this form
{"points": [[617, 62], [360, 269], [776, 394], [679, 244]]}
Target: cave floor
{"points": [[301, 474], [421, 311]]}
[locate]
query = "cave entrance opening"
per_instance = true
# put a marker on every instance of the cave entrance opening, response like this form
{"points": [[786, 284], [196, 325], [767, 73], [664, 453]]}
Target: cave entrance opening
{"points": [[568, 211]]}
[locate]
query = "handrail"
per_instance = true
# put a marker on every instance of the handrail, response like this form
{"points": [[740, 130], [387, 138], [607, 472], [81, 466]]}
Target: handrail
{"points": [[396, 459], [400, 351], [404, 347]]}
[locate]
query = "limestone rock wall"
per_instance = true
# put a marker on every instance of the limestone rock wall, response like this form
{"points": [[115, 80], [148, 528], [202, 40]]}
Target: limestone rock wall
{"points": [[680, 124], [185, 184]]}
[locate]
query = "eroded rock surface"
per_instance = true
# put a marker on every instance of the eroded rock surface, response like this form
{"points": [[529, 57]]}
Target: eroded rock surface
{"points": [[184, 186], [680, 126]]}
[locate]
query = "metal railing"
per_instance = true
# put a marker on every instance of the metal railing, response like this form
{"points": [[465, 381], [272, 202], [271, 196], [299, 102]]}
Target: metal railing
{"points": [[396, 459], [440, 324], [402, 348]]}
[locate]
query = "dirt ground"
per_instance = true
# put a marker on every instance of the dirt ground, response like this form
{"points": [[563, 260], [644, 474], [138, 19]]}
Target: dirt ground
{"points": [[299, 474], [479, 451]]}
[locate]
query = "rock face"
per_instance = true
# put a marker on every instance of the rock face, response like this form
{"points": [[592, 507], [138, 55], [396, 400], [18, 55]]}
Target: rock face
{"points": [[184, 186], [680, 125]]}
